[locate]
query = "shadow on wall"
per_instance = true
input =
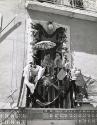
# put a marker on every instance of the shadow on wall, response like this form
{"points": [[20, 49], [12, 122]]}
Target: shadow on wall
{"points": [[87, 63], [10, 31], [84, 36]]}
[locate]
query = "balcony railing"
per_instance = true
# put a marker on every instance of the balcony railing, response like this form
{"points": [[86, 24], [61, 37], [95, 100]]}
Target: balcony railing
{"points": [[79, 4], [30, 116]]}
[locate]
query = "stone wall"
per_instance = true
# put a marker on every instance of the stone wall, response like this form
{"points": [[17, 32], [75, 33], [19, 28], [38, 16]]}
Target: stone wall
{"points": [[12, 49]]}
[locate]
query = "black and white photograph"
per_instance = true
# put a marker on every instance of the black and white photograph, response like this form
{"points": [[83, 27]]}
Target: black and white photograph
{"points": [[48, 62]]}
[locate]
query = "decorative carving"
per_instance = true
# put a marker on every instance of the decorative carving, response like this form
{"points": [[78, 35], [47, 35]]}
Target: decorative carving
{"points": [[50, 27], [60, 34]]}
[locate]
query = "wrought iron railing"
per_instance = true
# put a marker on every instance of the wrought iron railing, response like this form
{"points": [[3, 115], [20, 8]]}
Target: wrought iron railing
{"points": [[12, 117], [79, 4], [26, 116]]}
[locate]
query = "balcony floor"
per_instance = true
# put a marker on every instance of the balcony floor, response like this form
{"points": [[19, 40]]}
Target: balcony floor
{"points": [[62, 10]]}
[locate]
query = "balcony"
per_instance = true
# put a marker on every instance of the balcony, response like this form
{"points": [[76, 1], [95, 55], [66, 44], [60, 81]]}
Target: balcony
{"points": [[48, 116], [82, 9], [79, 4]]}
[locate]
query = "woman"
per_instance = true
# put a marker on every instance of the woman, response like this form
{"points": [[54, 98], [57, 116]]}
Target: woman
{"points": [[47, 63], [58, 60], [57, 69]]}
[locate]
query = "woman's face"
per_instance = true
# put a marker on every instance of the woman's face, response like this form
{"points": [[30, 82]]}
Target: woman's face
{"points": [[47, 56], [58, 56]]}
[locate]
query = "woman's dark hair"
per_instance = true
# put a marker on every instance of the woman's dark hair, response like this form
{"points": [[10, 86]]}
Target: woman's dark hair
{"points": [[59, 54]]}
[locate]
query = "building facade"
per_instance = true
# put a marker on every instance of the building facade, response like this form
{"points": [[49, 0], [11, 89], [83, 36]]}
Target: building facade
{"points": [[66, 26], [79, 21]]}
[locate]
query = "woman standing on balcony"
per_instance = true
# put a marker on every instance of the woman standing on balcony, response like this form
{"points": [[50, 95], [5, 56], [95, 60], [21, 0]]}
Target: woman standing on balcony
{"points": [[61, 74]]}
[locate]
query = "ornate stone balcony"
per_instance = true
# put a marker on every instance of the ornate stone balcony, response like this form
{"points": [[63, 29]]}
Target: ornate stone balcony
{"points": [[82, 9]]}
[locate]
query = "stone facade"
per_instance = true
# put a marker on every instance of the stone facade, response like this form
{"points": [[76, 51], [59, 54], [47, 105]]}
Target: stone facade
{"points": [[12, 49]]}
